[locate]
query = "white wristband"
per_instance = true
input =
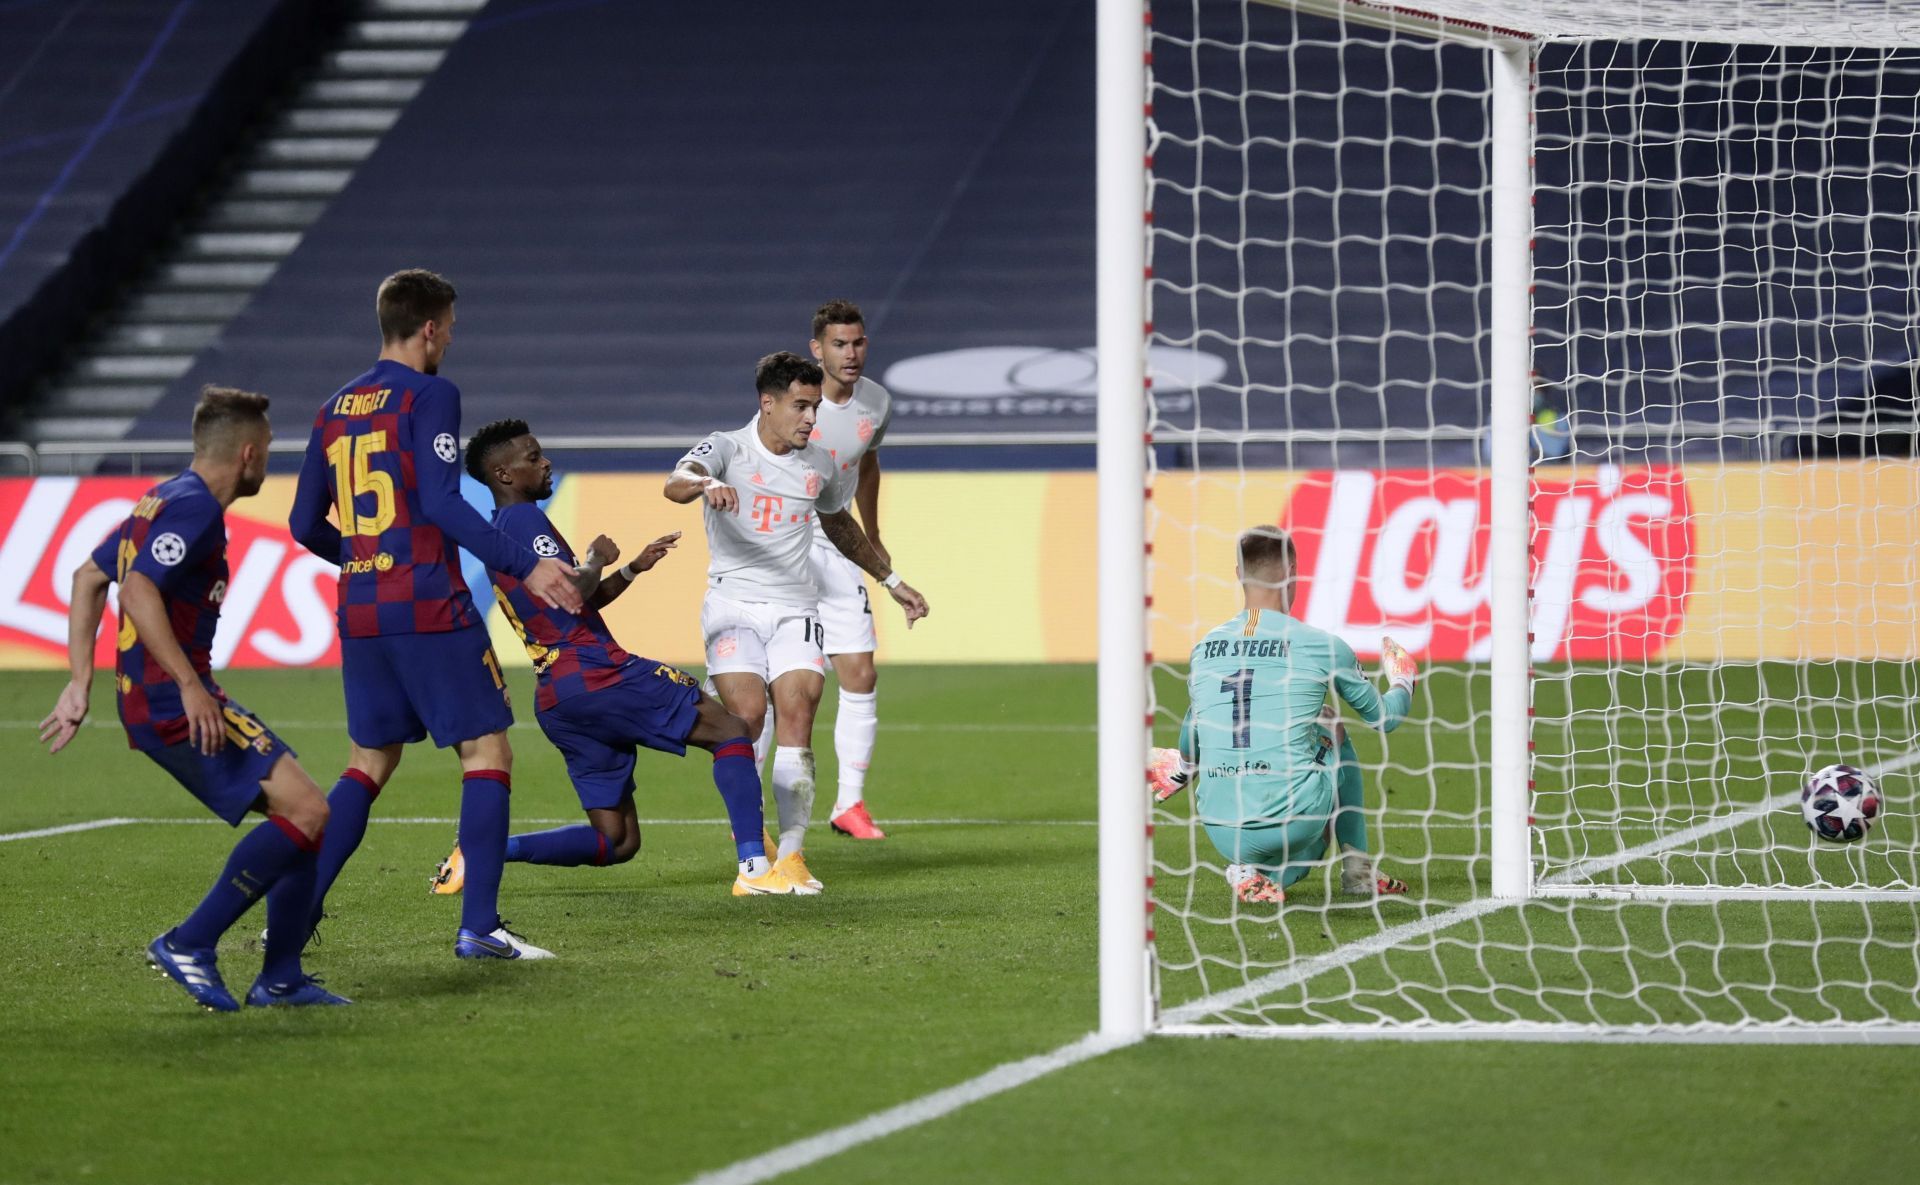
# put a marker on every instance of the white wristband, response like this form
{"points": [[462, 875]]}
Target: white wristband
{"points": [[892, 580], [626, 570]]}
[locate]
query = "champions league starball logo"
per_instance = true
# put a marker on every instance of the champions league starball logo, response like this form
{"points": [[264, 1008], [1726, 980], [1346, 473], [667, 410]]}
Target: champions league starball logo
{"points": [[445, 448], [545, 545], [169, 549]]}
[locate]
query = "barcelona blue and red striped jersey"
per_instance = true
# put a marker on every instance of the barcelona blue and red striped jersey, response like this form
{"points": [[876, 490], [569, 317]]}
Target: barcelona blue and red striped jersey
{"points": [[571, 654], [177, 538], [385, 458]]}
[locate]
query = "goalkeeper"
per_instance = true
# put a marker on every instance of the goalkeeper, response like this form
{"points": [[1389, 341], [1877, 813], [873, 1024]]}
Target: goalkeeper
{"points": [[1278, 778]]}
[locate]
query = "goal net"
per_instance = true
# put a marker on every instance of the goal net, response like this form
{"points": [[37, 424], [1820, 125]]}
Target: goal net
{"points": [[1699, 440]]}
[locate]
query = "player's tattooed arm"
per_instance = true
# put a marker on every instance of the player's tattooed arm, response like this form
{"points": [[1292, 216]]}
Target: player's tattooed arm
{"points": [[691, 480], [846, 535], [84, 611]]}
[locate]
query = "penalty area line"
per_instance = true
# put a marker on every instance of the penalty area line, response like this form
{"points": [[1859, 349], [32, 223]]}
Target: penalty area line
{"points": [[913, 1113], [71, 828]]}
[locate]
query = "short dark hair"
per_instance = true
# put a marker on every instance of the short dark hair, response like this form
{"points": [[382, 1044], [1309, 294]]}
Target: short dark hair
{"points": [[409, 299], [1263, 549], [777, 372], [836, 312], [222, 411], [490, 437]]}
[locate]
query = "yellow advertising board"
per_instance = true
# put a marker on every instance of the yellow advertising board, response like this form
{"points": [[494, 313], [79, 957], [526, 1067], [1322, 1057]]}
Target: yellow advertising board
{"points": [[1703, 563]]}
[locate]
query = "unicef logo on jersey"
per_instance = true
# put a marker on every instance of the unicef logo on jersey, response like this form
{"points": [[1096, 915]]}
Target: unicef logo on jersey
{"points": [[445, 448], [169, 549], [545, 545]]}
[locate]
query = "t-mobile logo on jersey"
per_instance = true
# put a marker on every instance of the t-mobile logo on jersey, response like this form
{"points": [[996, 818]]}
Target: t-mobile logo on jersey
{"points": [[766, 511]]}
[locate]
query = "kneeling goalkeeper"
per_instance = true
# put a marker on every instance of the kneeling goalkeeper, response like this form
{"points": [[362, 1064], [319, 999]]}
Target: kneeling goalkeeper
{"points": [[1278, 779]]}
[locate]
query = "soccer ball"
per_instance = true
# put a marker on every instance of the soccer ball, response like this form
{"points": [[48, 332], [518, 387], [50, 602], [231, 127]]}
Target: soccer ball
{"points": [[1840, 803]]}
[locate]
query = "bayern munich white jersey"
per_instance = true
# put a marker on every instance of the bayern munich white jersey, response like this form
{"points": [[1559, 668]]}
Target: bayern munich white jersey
{"points": [[851, 430], [759, 549]]}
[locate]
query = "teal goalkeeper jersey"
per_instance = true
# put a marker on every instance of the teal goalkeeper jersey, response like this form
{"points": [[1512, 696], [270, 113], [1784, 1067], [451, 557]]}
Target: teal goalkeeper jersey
{"points": [[1257, 687]]}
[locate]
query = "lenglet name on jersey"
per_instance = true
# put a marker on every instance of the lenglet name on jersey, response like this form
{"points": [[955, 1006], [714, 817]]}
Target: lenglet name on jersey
{"points": [[361, 403], [1247, 648]]}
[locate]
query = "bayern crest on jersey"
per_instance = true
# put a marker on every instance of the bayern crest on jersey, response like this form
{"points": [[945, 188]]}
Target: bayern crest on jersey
{"points": [[813, 484], [864, 428]]}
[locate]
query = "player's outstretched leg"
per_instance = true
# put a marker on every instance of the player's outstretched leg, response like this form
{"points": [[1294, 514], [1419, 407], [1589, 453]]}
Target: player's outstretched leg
{"points": [[611, 836], [1358, 876]]}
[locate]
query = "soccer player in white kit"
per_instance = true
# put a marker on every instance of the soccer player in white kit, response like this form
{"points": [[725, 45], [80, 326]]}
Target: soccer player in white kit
{"points": [[765, 486], [853, 418]]}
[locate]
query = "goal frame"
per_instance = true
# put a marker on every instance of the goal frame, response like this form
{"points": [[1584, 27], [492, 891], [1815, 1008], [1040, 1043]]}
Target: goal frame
{"points": [[1123, 226]]}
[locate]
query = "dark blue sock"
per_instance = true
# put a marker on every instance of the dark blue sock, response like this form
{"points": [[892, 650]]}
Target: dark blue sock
{"points": [[261, 858], [290, 920], [737, 776], [567, 847], [348, 803], [484, 811]]}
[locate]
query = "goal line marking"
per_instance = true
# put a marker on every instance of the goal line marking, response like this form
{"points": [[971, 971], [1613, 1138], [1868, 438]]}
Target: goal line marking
{"points": [[816, 1148]]}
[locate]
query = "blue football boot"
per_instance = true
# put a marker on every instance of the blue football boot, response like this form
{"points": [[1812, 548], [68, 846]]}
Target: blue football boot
{"points": [[193, 970], [502, 943], [302, 992]]}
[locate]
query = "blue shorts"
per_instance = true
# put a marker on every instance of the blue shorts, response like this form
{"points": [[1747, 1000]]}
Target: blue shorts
{"points": [[402, 687], [597, 732], [228, 783]]}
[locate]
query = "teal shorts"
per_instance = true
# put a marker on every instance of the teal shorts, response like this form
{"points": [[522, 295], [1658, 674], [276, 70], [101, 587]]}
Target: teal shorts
{"points": [[1284, 851]]}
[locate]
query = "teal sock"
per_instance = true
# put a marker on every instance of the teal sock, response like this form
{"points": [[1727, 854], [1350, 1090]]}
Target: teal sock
{"points": [[1349, 816]]}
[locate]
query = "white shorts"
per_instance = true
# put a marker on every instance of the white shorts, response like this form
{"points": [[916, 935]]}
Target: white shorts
{"points": [[759, 638], [845, 608]]}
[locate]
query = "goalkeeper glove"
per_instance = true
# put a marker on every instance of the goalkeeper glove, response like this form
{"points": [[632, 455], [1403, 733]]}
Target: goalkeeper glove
{"points": [[1167, 773], [1397, 665]]}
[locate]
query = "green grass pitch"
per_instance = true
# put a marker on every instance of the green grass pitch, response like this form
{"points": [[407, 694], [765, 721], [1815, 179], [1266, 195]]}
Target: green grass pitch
{"points": [[682, 1030]]}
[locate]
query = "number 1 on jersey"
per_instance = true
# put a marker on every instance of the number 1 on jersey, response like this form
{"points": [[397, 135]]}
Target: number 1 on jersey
{"points": [[353, 475], [1240, 687]]}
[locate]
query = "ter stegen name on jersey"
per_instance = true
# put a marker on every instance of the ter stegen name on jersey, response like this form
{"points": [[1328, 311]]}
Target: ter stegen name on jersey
{"points": [[1245, 648], [759, 549]]}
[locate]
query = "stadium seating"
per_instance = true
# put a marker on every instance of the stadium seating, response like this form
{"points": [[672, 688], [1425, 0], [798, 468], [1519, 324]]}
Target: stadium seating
{"points": [[113, 113], [933, 163], [662, 192]]}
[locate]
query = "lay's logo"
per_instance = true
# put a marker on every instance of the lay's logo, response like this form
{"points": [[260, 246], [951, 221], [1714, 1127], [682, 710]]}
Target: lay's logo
{"points": [[1405, 553]]}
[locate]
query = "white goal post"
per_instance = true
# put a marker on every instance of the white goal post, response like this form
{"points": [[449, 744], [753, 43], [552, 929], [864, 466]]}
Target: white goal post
{"points": [[1596, 817]]}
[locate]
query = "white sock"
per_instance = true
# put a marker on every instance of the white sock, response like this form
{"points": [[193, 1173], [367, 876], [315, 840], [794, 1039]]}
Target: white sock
{"points": [[853, 734], [755, 867], [793, 795], [764, 744]]}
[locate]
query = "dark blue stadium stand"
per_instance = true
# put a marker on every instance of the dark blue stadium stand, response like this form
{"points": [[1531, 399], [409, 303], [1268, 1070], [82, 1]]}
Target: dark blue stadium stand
{"points": [[112, 113], [636, 201]]}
